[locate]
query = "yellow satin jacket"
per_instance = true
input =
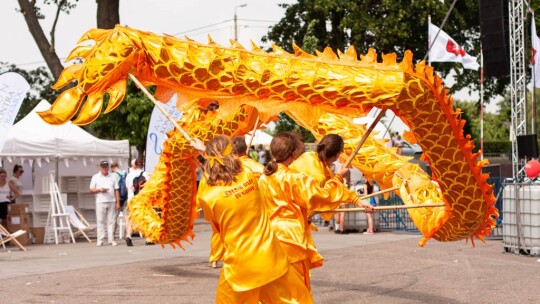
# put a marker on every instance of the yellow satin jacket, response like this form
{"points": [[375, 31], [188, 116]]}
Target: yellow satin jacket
{"points": [[253, 165], [310, 164], [253, 256], [288, 196]]}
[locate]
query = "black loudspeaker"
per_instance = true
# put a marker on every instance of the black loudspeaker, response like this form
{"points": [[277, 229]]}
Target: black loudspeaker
{"points": [[493, 170], [527, 146], [494, 36]]}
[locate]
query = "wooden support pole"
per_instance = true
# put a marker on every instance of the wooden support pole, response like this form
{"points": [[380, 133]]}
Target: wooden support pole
{"points": [[160, 107], [364, 138], [379, 192], [386, 208], [253, 135]]}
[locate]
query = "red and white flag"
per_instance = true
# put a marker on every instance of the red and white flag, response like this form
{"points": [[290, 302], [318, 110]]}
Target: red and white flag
{"points": [[446, 49], [535, 58]]}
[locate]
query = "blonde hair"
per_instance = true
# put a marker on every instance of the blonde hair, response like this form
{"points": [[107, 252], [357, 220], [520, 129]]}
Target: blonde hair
{"points": [[222, 166]]}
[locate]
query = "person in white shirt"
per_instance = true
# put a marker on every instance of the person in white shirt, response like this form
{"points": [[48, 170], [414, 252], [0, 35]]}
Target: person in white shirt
{"points": [[105, 186], [262, 155], [133, 173], [15, 182]]}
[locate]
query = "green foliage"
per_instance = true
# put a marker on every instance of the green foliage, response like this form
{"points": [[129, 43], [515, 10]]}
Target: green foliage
{"points": [[285, 123], [497, 146], [387, 26], [40, 81], [128, 121], [471, 115], [64, 5]]}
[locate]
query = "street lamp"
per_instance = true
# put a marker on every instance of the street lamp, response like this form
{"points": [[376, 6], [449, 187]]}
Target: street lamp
{"points": [[235, 19]]}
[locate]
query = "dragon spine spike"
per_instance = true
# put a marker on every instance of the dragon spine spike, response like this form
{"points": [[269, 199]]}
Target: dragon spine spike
{"points": [[255, 48]]}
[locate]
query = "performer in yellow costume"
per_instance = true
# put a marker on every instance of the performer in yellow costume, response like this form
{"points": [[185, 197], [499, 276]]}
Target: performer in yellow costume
{"points": [[288, 196], [255, 267], [316, 163], [240, 149], [216, 250]]}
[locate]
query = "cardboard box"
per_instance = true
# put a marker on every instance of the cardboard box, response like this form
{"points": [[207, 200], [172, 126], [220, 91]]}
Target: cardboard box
{"points": [[18, 220], [18, 209], [38, 235], [15, 222]]}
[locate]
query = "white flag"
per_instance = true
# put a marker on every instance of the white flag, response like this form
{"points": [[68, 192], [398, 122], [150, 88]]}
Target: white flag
{"points": [[157, 129], [13, 89], [535, 60], [446, 49]]}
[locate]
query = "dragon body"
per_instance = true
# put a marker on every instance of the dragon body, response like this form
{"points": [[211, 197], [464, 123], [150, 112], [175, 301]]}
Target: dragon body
{"points": [[322, 93]]}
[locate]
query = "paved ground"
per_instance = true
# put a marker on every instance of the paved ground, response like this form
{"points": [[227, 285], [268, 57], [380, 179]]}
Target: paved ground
{"points": [[381, 268]]}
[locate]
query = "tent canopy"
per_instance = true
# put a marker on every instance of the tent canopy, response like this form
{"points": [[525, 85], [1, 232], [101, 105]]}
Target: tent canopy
{"points": [[261, 138], [33, 139]]}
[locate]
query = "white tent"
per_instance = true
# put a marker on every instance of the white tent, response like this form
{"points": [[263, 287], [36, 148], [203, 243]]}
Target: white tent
{"points": [[34, 139], [69, 151], [261, 138], [66, 149]]}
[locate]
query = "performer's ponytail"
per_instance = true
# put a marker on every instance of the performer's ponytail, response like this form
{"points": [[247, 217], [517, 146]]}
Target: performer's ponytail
{"points": [[271, 167], [283, 146], [329, 146]]}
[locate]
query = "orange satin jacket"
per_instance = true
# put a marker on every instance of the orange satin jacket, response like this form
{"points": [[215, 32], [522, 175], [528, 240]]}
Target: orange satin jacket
{"points": [[253, 256], [288, 195], [253, 165]]}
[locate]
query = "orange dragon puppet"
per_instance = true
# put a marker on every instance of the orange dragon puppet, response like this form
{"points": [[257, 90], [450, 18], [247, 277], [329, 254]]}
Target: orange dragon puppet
{"points": [[322, 93]]}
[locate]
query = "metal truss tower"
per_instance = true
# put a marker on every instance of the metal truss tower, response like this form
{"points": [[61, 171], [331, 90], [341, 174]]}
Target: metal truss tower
{"points": [[516, 24]]}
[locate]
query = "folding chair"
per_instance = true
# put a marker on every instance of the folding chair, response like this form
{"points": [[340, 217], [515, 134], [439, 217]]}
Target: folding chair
{"points": [[6, 236], [78, 221]]}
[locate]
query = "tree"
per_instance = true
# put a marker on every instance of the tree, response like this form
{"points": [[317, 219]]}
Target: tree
{"points": [[108, 13], [32, 15], [285, 123], [129, 121], [387, 26], [470, 114]]}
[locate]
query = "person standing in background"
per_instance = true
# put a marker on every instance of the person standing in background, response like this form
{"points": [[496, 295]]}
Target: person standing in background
{"points": [[253, 154], [105, 186], [367, 190], [137, 171], [5, 195], [15, 183], [262, 154], [132, 167], [240, 147]]}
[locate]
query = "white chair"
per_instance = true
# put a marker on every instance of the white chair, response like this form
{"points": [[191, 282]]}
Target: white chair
{"points": [[6, 236], [77, 220]]}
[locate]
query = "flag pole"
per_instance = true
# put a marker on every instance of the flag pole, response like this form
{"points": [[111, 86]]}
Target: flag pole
{"points": [[533, 99], [481, 103], [428, 40], [533, 116]]}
